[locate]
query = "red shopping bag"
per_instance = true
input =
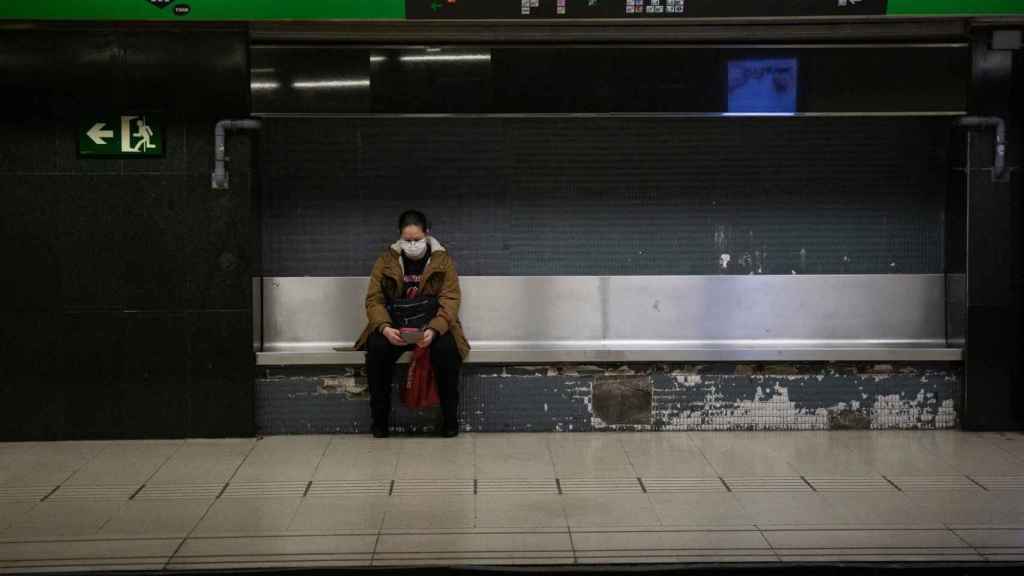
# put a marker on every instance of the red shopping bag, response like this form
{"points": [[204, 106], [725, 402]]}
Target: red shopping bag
{"points": [[420, 387]]}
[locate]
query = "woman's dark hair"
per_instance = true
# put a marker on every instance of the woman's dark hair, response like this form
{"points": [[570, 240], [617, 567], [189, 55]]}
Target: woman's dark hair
{"points": [[413, 218]]}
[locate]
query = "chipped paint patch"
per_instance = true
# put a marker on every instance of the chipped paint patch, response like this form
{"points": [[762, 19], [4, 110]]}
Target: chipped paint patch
{"points": [[348, 385], [905, 411], [773, 409], [686, 379]]}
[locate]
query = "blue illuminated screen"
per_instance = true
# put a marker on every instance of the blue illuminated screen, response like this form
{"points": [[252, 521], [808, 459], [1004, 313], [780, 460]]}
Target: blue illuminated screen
{"points": [[763, 85]]}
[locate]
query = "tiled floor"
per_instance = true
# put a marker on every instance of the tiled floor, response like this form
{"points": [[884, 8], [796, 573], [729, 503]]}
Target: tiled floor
{"points": [[512, 498]]}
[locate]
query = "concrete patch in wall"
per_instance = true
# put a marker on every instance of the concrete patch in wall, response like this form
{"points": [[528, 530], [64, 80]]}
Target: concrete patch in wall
{"points": [[848, 419], [621, 400]]}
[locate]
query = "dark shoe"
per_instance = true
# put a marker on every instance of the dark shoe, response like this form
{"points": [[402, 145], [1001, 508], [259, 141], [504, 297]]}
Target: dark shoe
{"points": [[449, 432], [379, 431]]}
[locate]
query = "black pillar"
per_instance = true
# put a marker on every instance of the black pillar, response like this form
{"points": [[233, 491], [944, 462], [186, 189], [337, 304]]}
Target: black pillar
{"points": [[127, 288], [994, 389]]}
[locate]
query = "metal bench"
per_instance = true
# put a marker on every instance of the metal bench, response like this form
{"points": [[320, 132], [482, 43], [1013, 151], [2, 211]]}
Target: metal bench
{"points": [[594, 319]]}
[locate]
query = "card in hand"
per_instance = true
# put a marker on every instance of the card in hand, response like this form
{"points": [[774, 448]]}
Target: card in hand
{"points": [[412, 337]]}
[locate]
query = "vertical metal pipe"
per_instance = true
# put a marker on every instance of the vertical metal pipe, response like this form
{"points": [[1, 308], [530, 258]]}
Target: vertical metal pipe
{"points": [[220, 174], [980, 122]]}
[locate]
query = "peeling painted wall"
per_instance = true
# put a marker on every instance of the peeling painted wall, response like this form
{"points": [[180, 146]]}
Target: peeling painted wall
{"points": [[568, 398]]}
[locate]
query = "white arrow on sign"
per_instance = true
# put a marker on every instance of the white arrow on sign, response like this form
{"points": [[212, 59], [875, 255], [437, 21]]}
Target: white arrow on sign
{"points": [[97, 133]]}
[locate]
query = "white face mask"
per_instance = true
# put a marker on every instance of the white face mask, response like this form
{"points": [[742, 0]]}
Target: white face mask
{"points": [[414, 249]]}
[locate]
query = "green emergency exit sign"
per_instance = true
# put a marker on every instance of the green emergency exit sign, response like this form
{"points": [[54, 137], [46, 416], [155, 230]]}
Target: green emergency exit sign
{"points": [[124, 136]]}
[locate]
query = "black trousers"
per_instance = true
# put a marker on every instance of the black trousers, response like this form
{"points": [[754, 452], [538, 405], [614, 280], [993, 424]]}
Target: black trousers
{"points": [[381, 356]]}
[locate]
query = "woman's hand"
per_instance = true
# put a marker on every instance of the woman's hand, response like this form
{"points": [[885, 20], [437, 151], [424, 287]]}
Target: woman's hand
{"points": [[393, 336], [428, 337]]}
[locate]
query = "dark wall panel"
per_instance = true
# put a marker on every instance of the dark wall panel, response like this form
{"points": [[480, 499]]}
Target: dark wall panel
{"points": [[544, 196], [127, 286]]}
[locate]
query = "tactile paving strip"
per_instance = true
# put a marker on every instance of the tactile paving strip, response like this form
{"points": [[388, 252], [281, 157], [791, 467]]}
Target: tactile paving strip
{"points": [[179, 491], [265, 489], [713, 484], [94, 492], [767, 484], [23, 493], [1000, 482], [516, 486], [350, 488], [944, 482], [494, 486], [600, 485], [405, 487], [850, 484]]}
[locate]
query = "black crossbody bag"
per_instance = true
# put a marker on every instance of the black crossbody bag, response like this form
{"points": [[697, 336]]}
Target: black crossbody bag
{"points": [[412, 312]]}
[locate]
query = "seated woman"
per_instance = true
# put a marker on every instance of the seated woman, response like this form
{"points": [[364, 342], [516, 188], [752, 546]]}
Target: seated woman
{"points": [[415, 265]]}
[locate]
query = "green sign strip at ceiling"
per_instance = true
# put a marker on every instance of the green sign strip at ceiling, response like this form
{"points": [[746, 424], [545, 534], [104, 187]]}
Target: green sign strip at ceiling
{"points": [[948, 7], [252, 10], [202, 9]]}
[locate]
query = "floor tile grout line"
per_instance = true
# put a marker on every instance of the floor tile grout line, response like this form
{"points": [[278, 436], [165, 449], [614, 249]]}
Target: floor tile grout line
{"points": [[809, 485], [704, 455], [476, 471], [398, 457], [327, 446], [976, 483], [1013, 455], [50, 493], [84, 464], [572, 541], [724, 483], [628, 459], [181, 445], [252, 448], [551, 459], [937, 527], [894, 485], [376, 540], [768, 543], [72, 473], [174, 553], [962, 539], [137, 490]]}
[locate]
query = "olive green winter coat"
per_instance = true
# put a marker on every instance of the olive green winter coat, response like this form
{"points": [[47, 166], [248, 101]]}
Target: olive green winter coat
{"points": [[438, 279]]}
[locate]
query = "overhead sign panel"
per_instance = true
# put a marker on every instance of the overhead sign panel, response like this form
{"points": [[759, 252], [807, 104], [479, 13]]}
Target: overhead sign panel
{"points": [[519, 9], [252, 10]]}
